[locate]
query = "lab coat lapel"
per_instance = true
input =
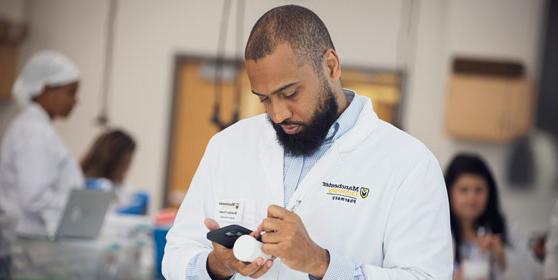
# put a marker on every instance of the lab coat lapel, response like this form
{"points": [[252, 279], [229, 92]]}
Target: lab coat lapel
{"points": [[314, 177], [271, 155], [366, 123]]}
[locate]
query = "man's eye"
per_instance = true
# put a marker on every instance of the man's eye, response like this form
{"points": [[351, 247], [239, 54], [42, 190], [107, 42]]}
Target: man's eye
{"points": [[263, 99], [290, 94]]}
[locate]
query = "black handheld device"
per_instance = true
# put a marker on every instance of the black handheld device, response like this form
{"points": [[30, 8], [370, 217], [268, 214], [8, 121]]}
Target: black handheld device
{"points": [[226, 236]]}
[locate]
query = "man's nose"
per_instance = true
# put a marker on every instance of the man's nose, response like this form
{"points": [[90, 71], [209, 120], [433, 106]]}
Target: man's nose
{"points": [[279, 112]]}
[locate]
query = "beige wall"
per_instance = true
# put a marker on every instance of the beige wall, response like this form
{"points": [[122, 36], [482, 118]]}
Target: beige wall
{"points": [[150, 33], [13, 9]]}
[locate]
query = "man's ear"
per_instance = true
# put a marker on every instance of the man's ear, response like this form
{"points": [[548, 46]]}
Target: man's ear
{"points": [[331, 64]]}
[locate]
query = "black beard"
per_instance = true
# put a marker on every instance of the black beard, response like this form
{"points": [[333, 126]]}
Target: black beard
{"points": [[312, 135]]}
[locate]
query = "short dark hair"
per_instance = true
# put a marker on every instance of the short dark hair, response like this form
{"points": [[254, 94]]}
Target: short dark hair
{"points": [[301, 28]]}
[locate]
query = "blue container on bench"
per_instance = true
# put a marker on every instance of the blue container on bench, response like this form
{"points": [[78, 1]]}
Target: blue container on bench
{"points": [[159, 236]]}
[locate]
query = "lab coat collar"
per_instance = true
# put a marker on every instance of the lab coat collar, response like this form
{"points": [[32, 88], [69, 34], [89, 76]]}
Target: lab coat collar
{"points": [[367, 121]]}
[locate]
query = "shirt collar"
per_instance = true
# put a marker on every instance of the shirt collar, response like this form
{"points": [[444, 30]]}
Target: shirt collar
{"points": [[347, 119]]}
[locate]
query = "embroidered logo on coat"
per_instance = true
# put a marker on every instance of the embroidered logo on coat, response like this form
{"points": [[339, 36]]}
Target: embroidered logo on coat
{"points": [[364, 192], [349, 194]]}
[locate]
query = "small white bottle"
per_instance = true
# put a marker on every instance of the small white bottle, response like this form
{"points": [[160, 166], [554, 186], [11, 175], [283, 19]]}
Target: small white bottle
{"points": [[248, 249], [476, 266]]}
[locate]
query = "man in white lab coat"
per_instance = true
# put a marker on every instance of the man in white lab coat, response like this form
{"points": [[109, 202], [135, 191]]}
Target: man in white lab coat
{"points": [[339, 193], [36, 171]]}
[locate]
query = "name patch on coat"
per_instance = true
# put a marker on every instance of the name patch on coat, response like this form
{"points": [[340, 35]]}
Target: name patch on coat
{"points": [[229, 211]]}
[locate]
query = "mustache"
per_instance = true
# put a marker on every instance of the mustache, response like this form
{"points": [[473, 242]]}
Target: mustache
{"points": [[289, 122]]}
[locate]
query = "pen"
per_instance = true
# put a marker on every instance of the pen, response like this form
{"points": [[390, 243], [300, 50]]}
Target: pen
{"points": [[297, 203]]}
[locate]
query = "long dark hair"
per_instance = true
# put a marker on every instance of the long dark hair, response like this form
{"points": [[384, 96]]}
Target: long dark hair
{"points": [[107, 155], [492, 217]]}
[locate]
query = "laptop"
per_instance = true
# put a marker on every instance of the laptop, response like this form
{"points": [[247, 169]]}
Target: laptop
{"points": [[84, 214]]}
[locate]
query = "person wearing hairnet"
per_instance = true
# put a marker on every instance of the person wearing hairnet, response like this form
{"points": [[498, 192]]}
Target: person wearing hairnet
{"points": [[36, 170]]}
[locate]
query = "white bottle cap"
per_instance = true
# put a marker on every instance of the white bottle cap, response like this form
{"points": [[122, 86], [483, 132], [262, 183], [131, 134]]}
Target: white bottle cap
{"points": [[248, 249], [475, 269]]}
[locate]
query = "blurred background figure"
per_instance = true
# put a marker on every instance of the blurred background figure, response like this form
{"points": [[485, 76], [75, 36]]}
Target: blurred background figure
{"points": [[551, 258], [5, 246], [486, 245], [105, 166], [109, 158], [537, 244], [36, 170]]}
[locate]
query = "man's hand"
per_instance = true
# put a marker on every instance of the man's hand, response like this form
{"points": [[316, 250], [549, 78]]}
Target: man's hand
{"points": [[285, 237], [222, 264]]}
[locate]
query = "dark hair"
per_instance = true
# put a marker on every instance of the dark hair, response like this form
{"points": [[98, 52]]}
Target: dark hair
{"points": [[301, 28], [492, 217], [107, 154]]}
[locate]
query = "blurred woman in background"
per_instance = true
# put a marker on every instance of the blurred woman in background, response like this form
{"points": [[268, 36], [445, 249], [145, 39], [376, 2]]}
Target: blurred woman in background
{"points": [[486, 247], [109, 158], [106, 165]]}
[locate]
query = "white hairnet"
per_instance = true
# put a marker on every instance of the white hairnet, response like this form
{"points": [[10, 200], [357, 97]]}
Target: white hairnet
{"points": [[45, 68]]}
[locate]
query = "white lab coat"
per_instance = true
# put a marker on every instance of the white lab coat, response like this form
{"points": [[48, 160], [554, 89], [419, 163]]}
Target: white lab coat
{"points": [[36, 173], [399, 231]]}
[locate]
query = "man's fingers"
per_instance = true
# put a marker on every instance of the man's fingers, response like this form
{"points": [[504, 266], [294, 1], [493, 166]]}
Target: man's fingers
{"points": [[248, 269], [211, 224], [272, 249], [219, 247], [271, 224], [258, 232], [278, 212], [271, 238], [263, 269]]}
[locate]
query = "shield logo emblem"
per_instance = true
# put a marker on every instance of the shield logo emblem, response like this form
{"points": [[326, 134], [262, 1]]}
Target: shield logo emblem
{"points": [[364, 192]]}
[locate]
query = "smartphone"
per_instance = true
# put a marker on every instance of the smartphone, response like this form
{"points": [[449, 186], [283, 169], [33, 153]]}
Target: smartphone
{"points": [[226, 236]]}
